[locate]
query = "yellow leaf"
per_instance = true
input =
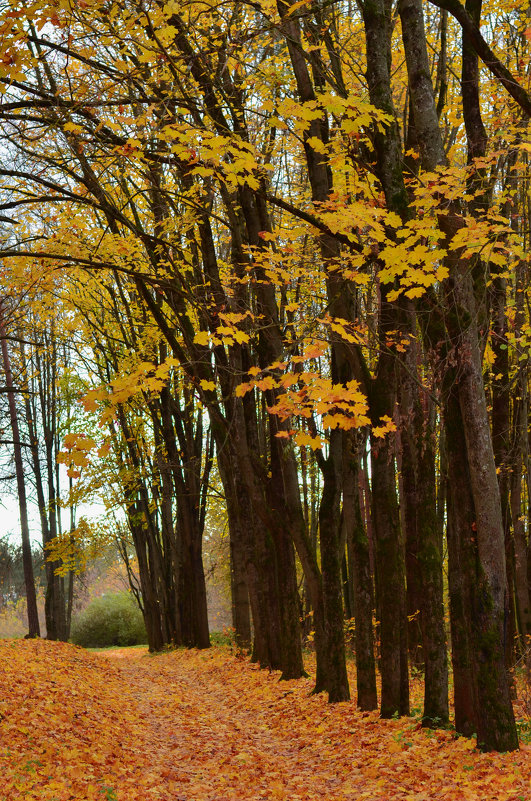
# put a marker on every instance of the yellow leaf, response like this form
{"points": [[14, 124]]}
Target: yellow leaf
{"points": [[243, 389], [317, 144], [302, 438], [386, 428], [202, 338], [71, 127], [315, 350], [69, 440], [415, 292], [85, 444], [266, 383]]}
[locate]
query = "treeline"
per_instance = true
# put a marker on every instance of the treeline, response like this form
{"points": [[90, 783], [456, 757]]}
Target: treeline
{"points": [[287, 247], [32, 435]]}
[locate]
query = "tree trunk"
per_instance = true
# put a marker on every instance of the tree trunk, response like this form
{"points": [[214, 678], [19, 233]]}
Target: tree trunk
{"points": [[423, 550], [360, 569], [496, 727], [390, 579], [50, 567], [330, 645], [241, 613], [501, 444], [192, 588], [493, 711], [523, 602], [270, 564], [43, 396], [461, 565], [518, 457], [329, 532], [390, 574], [31, 596], [150, 606]]}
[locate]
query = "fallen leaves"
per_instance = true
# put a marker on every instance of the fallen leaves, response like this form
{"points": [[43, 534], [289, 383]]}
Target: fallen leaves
{"points": [[204, 726]]}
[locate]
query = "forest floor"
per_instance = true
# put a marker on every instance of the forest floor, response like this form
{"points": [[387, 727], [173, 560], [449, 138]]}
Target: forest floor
{"points": [[124, 725]]}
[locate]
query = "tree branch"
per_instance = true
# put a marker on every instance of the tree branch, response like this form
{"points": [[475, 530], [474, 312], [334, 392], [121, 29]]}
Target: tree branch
{"points": [[310, 218], [491, 61]]}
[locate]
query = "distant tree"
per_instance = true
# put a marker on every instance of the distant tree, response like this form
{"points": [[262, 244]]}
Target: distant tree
{"points": [[31, 597]]}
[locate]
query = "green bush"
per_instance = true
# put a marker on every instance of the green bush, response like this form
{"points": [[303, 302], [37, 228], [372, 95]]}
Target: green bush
{"points": [[225, 637], [109, 620]]}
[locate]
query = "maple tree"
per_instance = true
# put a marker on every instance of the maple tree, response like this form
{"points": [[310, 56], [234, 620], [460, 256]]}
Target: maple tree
{"points": [[270, 215], [154, 464]]}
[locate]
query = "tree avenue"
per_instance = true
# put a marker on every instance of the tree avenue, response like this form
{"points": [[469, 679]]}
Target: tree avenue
{"points": [[284, 247]]}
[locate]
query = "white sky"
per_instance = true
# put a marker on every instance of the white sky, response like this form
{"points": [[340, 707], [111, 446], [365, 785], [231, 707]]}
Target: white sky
{"points": [[10, 518]]}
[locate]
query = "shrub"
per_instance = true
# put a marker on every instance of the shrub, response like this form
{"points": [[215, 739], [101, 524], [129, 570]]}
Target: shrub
{"points": [[225, 637], [109, 620]]}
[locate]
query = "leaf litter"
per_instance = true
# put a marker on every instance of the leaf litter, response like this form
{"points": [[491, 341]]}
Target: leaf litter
{"points": [[207, 726]]}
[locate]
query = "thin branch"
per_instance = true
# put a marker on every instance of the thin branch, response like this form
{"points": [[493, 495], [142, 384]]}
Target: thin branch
{"points": [[310, 218], [491, 61]]}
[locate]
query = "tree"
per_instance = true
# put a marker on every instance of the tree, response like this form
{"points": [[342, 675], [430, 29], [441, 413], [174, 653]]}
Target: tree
{"points": [[29, 581]]}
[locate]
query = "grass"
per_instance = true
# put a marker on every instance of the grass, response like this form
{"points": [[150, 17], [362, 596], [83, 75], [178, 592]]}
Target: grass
{"points": [[116, 648]]}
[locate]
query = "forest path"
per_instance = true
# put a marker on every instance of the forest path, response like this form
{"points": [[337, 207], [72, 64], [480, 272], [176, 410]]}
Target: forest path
{"points": [[124, 725], [219, 729]]}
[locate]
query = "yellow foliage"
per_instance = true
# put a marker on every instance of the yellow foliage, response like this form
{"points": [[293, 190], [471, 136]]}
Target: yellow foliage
{"points": [[387, 427]]}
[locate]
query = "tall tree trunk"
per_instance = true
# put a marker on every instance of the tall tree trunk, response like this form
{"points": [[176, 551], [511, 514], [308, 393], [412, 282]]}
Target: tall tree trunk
{"points": [[360, 569], [496, 727], [519, 457], [55, 607], [493, 710], [461, 564], [269, 557], [391, 591], [50, 567], [240, 578], [192, 588], [329, 528], [423, 548], [241, 613], [334, 673], [29, 581], [501, 444], [150, 604], [390, 570]]}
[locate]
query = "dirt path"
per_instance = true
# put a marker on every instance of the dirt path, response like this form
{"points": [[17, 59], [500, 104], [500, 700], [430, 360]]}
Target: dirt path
{"points": [[219, 730], [205, 726], [214, 737]]}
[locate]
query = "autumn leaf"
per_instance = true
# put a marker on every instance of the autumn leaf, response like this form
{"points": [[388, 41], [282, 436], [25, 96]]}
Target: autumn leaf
{"points": [[202, 338], [387, 427], [122, 726], [302, 438]]}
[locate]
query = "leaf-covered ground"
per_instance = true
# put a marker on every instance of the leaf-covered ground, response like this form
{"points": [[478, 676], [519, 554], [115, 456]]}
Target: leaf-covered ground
{"points": [[205, 726]]}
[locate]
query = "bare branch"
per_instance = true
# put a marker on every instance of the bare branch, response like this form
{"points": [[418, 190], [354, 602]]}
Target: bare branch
{"points": [[491, 61]]}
